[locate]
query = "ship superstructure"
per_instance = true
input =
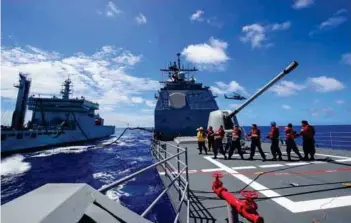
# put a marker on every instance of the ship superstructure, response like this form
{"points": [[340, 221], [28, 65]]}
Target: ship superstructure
{"points": [[55, 121], [183, 104]]}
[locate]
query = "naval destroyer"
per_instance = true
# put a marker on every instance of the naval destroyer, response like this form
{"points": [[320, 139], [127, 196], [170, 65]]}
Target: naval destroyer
{"points": [[55, 121], [203, 189]]}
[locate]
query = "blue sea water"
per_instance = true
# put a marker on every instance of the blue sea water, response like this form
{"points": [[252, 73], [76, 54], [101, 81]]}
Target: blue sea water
{"points": [[98, 166]]}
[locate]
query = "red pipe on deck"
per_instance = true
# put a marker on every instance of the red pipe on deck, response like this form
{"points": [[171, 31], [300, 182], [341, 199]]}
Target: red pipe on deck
{"points": [[246, 208]]}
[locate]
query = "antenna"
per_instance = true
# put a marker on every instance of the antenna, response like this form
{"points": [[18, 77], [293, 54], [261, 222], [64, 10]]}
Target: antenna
{"points": [[178, 55]]}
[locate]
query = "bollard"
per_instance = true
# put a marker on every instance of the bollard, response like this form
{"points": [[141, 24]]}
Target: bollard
{"points": [[246, 208]]}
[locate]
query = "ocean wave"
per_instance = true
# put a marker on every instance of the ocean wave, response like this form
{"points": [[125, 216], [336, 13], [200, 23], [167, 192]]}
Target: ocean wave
{"points": [[14, 165], [68, 149]]}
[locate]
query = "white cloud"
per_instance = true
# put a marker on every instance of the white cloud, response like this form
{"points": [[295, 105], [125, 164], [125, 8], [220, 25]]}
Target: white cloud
{"points": [[128, 58], [346, 58], [147, 110], [286, 88], [223, 88], [257, 34], [299, 4], [337, 19], [197, 16], [325, 84], [339, 102], [327, 111], [281, 26], [150, 103], [286, 107], [212, 53], [111, 10], [96, 77], [140, 19]]}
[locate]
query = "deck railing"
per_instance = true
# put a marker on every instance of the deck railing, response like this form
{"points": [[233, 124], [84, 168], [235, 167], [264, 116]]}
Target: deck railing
{"points": [[332, 140], [180, 183]]}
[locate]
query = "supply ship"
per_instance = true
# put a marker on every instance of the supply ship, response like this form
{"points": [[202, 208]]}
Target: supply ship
{"points": [[54, 122], [201, 188]]}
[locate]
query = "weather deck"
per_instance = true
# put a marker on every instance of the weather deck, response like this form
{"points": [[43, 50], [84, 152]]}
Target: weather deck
{"points": [[298, 191]]}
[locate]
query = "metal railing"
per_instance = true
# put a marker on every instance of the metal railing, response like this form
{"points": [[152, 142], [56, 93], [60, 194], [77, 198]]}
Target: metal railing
{"points": [[180, 183], [328, 140]]}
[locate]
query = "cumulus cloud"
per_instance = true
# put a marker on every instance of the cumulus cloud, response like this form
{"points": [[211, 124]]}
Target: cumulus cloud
{"points": [[223, 88], [141, 19], [111, 10], [286, 107], [257, 34], [334, 21], [128, 58], [212, 53], [325, 84], [346, 58], [197, 16], [299, 4], [287, 88], [150, 103], [96, 77]]}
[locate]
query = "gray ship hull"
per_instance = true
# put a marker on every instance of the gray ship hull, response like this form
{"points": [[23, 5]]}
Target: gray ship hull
{"points": [[299, 191], [44, 140]]}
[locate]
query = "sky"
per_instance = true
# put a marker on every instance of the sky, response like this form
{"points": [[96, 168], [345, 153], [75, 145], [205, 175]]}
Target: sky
{"points": [[113, 50]]}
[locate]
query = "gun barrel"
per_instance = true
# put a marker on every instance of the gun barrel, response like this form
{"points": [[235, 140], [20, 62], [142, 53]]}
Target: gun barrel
{"points": [[287, 70]]}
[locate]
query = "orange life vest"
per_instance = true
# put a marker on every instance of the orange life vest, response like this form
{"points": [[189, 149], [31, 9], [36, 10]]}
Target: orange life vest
{"points": [[236, 133], [307, 131], [254, 133], [289, 132], [271, 133]]}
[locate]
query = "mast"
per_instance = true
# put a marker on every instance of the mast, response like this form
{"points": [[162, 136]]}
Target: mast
{"points": [[19, 114], [66, 88]]}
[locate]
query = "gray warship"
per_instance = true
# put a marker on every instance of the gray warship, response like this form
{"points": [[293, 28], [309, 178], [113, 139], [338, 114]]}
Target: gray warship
{"points": [[55, 121], [299, 191]]}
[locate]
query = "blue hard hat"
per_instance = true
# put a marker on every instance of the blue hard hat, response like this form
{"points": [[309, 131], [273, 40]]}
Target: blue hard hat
{"points": [[273, 123]]}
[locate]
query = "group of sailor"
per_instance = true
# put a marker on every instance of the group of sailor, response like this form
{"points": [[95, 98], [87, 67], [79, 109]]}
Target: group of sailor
{"points": [[215, 141]]}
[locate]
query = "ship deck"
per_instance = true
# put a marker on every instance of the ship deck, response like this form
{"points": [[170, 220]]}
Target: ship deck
{"points": [[297, 191]]}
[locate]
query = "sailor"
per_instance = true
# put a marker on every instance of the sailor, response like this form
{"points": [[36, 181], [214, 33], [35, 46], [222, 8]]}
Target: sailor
{"points": [[290, 141], [274, 136], [210, 138], [255, 136], [307, 133], [236, 144], [218, 137], [201, 136]]}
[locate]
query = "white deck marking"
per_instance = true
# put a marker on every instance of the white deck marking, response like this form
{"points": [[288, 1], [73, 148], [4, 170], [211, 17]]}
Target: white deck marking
{"points": [[270, 165], [296, 164], [344, 160], [294, 207], [243, 167], [327, 155], [211, 170]]}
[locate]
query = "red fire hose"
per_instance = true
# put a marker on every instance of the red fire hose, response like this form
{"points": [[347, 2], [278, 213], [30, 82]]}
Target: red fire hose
{"points": [[246, 208]]}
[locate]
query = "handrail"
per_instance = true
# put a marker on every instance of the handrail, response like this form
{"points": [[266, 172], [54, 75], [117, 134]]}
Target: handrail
{"points": [[180, 183], [131, 176]]}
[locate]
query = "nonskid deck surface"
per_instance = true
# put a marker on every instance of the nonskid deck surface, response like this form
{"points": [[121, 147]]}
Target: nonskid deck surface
{"points": [[298, 191]]}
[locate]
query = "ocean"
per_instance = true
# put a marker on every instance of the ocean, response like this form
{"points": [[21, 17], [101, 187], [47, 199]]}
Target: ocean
{"points": [[98, 166]]}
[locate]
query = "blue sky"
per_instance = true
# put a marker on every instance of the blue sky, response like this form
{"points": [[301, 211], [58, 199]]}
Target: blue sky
{"points": [[113, 51]]}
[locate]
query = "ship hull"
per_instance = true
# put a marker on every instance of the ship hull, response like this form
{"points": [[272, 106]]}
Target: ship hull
{"points": [[12, 145]]}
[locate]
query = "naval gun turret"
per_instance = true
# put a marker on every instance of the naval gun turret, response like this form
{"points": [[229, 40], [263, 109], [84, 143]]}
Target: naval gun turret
{"points": [[228, 118]]}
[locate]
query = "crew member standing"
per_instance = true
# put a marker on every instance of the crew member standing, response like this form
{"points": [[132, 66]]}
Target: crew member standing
{"points": [[218, 137], [255, 136], [274, 136], [210, 138], [290, 141], [201, 136], [236, 137], [307, 133]]}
